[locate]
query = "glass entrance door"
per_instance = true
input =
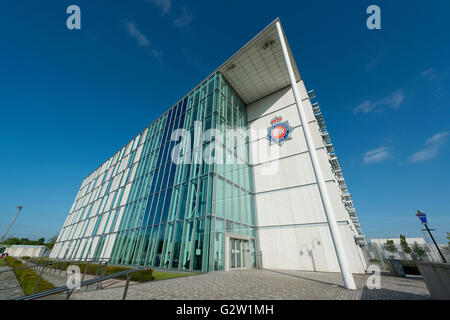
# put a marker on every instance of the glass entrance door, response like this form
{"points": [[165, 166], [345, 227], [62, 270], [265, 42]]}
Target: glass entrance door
{"points": [[239, 250]]}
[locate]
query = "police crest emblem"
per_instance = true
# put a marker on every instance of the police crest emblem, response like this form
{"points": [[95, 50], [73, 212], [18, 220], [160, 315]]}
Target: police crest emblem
{"points": [[279, 131]]}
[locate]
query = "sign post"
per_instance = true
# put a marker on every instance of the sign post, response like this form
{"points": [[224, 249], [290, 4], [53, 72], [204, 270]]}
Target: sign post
{"points": [[423, 218], [6, 232]]}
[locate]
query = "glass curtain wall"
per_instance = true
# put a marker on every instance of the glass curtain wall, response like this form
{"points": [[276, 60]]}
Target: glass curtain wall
{"points": [[142, 208]]}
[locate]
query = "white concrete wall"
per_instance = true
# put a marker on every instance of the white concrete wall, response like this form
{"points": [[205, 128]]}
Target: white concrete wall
{"points": [[22, 250], [292, 228]]}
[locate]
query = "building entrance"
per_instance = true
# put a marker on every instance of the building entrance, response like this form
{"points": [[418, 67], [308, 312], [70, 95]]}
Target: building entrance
{"points": [[239, 253]]}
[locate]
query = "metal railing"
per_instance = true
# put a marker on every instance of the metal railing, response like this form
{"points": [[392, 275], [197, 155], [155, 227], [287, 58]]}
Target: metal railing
{"points": [[69, 291], [61, 264], [62, 267], [27, 267]]}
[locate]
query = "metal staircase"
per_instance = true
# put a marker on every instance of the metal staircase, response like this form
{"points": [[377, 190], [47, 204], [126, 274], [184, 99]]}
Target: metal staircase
{"points": [[336, 168]]}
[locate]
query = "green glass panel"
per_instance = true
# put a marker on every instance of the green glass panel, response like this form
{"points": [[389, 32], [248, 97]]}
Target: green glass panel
{"points": [[152, 246], [186, 246], [206, 249], [219, 245], [176, 245], [198, 244], [159, 246], [165, 259]]}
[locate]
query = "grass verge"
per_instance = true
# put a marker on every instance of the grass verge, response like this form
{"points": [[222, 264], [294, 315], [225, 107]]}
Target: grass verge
{"points": [[141, 276], [161, 275]]}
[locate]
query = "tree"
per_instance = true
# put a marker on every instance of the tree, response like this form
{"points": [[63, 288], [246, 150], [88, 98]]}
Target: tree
{"points": [[390, 246], [51, 242], [404, 244], [418, 250], [448, 238], [24, 241], [11, 241]]}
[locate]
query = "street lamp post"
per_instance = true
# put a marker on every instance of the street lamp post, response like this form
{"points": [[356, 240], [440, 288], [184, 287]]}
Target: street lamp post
{"points": [[423, 218], [9, 227]]}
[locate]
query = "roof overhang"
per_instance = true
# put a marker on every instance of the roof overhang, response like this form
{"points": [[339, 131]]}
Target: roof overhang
{"points": [[258, 69]]}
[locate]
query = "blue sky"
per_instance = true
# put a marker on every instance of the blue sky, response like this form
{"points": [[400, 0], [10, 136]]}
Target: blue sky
{"points": [[70, 99]]}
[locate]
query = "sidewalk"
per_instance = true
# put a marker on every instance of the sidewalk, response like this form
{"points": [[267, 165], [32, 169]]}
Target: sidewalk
{"points": [[249, 284], [242, 284], [9, 285]]}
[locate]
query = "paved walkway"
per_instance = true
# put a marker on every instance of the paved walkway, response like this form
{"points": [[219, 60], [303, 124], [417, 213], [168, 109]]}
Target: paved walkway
{"points": [[9, 286], [266, 284]]}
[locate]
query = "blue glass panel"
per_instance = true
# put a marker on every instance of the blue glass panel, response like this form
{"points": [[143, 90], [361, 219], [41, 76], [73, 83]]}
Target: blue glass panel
{"points": [[165, 210], [159, 245], [158, 208]]}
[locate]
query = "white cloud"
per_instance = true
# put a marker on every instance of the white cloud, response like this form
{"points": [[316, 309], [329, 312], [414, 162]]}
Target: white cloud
{"points": [[375, 61], [136, 34], [181, 19], [164, 5], [377, 155], [372, 64], [431, 147], [393, 101], [184, 19], [364, 107], [429, 73]]}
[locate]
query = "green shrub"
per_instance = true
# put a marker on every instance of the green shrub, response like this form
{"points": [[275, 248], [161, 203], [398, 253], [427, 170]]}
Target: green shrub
{"points": [[410, 263], [28, 278], [25, 257], [410, 267], [13, 262], [142, 276], [39, 260], [93, 269]]}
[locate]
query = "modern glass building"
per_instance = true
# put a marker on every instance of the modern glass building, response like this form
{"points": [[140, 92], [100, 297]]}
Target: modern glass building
{"points": [[142, 208], [226, 178]]}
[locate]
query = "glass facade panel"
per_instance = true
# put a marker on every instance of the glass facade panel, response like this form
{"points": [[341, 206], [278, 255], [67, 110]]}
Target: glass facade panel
{"points": [[165, 214]]}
